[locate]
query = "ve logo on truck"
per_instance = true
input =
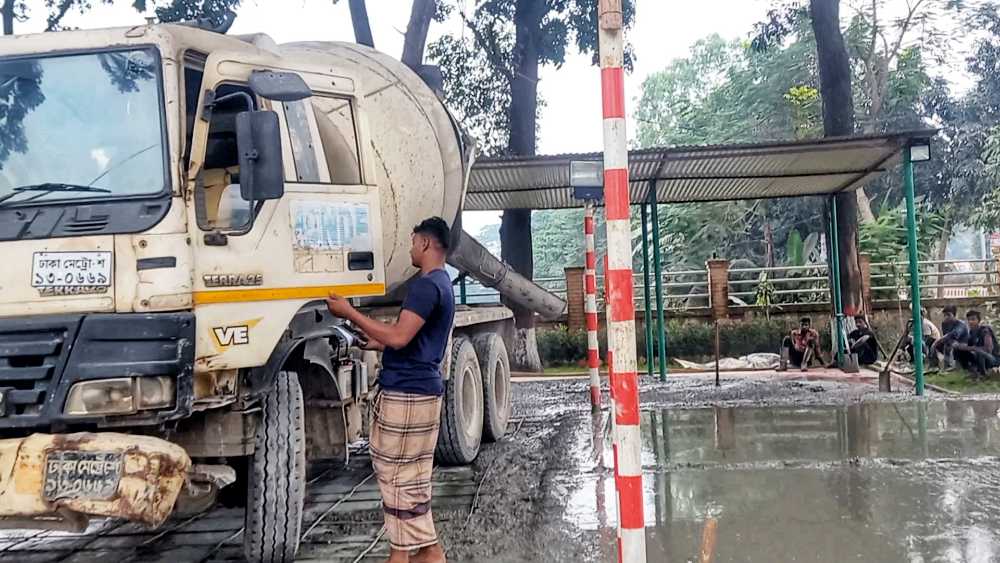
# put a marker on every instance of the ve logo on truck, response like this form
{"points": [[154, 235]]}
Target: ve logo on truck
{"points": [[235, 335]]}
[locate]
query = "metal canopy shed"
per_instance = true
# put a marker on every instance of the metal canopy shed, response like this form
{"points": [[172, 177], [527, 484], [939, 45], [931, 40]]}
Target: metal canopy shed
{"points": [[817, 167], [688, 174]]}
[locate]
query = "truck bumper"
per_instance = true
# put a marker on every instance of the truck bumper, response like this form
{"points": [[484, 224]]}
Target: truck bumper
{"points": [[62, 480]]}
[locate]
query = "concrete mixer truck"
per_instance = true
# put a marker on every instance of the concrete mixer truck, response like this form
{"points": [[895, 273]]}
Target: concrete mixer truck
{"points": [[175, 204]]}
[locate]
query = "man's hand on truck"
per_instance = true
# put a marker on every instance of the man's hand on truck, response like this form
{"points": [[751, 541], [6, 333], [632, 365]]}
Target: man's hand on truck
{"points": [[396, 335]]}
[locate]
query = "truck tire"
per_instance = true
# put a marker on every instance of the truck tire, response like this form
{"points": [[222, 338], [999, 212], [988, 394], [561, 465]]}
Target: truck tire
{"points": [[277, 481], [495, 368], [461, 429]]}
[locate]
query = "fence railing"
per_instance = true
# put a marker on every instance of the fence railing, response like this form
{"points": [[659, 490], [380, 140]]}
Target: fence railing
{"points": [[938, 279], [789, 284]]}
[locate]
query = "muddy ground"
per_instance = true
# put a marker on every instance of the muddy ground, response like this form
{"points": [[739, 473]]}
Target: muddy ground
{"points": [[783, 468]]}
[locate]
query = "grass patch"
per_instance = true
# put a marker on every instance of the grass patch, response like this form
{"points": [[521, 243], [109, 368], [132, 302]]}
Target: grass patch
{"points": [[576, 369], [563, 370], [960, 381]]}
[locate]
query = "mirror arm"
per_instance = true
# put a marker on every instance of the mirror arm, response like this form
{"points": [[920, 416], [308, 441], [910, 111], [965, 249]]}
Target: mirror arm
{"points": [[211, 101]]}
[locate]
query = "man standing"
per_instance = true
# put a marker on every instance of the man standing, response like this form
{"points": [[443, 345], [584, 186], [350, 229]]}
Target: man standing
{"points": [[408, 405], [981, 353], [863, 343]]}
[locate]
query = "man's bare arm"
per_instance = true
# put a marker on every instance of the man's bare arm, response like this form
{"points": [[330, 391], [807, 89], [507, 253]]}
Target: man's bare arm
{"points": [[396, 335], [393, 335]]}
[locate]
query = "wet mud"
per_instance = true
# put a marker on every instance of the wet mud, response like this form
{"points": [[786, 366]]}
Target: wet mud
{"points": [[761, 468]]}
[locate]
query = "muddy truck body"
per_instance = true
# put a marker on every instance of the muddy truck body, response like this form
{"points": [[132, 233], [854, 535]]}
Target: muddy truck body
{"points": [[175, 204]]}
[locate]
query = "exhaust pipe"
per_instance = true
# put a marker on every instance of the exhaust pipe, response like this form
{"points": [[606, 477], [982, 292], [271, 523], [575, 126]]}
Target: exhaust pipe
{"points": [[473, 258]]}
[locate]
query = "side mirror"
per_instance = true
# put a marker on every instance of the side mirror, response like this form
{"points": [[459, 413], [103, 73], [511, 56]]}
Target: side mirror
{"points": [[262, 175], [279, 86]]}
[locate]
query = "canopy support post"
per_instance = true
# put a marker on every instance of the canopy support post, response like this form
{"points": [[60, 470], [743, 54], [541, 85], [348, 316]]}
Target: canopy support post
{"points": [[661, 335], [648, 323], [911, 238], [838, 298]]}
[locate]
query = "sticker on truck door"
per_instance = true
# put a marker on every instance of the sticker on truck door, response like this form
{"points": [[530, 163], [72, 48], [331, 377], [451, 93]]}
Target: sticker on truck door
{"points": [[326, 232], [71, 273]]}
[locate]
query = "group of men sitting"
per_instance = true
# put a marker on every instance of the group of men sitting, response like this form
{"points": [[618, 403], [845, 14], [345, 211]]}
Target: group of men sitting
{"points": [[970, 343]]}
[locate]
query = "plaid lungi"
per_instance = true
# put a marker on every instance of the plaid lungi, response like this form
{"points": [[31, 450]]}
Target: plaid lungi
{"points": [[404, 435]]}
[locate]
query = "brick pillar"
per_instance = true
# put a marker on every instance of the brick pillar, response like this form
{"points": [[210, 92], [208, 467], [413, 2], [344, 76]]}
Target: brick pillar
{"points": [[718, 288], [865, 263], [574, 298]]}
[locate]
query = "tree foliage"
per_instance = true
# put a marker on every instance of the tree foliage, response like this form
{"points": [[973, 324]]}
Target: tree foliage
{"points": [[479, 65], [766, 88]]}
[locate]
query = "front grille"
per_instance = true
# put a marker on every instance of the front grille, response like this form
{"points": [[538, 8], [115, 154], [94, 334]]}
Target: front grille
{"points": [[29, 362]]}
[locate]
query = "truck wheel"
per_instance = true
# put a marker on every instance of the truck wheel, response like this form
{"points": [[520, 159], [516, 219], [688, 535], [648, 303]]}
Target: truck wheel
{"points": [[462, 409], [495, 367], [277, 476]]}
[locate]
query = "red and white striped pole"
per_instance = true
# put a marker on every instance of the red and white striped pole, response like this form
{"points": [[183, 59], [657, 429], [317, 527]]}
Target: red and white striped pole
{"points": [[621, 307], [590, 306]]}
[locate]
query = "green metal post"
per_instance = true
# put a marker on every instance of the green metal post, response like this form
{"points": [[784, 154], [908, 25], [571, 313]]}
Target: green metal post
{"points": [[838, 296], [661, 329], [911, 239], [646, 291], [462, 296]]}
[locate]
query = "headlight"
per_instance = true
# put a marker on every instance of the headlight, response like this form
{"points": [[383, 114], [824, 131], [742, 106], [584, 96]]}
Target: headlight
{"points": [[154, 392], [123, 395]]}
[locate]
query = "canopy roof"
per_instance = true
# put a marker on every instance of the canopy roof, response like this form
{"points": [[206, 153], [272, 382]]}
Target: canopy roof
{"points": [[705, 173]]}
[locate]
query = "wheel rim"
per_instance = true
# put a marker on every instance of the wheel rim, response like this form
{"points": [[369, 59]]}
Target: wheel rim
{"points": [[500, 387], [472, 396]]}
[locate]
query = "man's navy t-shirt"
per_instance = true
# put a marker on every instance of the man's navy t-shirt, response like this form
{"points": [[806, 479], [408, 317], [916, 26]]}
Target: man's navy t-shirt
{"points": [[416, 368]]}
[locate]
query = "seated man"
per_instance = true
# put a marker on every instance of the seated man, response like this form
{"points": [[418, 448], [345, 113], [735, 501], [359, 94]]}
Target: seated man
{"points": [[955, 332], [931, 334], [980, 353], [803, 345], [863, 343]]}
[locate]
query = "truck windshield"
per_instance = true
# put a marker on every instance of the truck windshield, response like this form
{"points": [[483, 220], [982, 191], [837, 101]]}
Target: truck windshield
{"points": [[85, 125]]}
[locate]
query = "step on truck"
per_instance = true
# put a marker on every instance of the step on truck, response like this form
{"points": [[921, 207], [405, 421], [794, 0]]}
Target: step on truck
{"points": [[175, 204]]}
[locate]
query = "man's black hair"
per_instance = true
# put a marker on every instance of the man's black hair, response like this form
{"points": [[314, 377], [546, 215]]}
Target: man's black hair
{"points": [[951, 309], [973, 313], [435, 227], [805, 320], [860, 318]]}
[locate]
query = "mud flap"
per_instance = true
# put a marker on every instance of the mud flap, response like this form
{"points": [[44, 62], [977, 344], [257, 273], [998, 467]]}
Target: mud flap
{"points": [[73, 476]]}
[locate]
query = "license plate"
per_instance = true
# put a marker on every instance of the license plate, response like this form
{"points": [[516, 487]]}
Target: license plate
{"points": [[71, 269], [81, 475]]}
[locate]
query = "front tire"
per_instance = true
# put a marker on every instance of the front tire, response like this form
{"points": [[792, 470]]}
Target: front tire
{"points": [[461, 431], [276, 488]]}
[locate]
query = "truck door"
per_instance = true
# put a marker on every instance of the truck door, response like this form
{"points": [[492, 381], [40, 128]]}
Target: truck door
{"points": [[256, 265]]}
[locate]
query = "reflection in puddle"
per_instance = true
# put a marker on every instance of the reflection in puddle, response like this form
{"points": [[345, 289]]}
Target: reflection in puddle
{"points": [[914, 481]]}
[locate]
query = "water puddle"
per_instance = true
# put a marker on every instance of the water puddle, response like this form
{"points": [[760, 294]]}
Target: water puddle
{"points": [[915, 481]]}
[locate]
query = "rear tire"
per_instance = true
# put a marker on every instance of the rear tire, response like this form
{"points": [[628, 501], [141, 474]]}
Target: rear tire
{"points": [[277, 481], [461, 430], [495, 368]]}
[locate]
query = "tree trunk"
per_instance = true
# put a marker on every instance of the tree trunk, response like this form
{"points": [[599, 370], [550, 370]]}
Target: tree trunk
{"points": [[359, 19], [7, 10], [942, 255], [515, 226], [769, 245], [416, 33], [838, 119], [864, 206]]}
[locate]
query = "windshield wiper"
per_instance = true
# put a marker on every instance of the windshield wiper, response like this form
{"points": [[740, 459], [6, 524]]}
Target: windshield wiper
{"points": [[50, 187]]}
